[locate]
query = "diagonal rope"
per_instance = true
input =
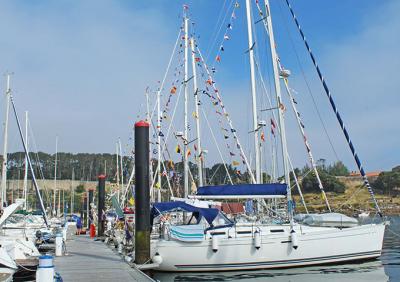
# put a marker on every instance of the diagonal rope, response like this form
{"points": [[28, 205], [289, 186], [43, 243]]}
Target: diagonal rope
{"points": [[334, 108]]}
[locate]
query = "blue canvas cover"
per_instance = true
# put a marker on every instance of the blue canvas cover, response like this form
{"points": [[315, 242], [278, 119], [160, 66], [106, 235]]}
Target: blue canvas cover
{"points": [[274, 189], [158, 208]]}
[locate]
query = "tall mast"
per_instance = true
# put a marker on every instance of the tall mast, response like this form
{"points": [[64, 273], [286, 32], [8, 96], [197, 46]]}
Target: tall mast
{"points": [[72, 190], [121, 163], [197, 115], [158, 170], [117, 155], [4, 168], [26, 162], [185, 134], [148, 116], [253, 90], [281, 120], [55, 182]]}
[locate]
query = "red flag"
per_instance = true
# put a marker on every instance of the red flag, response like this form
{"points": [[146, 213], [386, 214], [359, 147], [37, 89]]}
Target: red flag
{"points": [[218, 58]]}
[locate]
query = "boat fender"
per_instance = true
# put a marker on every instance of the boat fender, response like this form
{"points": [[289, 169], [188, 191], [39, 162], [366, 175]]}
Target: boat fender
{"points": [[215, 243], [295, 240], [257, 239], [157, 258], [59, 244]]}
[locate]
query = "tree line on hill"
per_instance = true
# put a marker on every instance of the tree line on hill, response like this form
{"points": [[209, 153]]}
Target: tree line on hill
{"points": [[86, 167]]}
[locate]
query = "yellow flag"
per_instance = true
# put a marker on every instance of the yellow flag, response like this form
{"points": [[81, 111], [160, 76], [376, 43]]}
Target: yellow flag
{"points": [[235, 163], [131, 201]]}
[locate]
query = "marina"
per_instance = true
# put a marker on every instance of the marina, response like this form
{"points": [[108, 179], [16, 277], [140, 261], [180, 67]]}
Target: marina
{"points": [[244, 153]]}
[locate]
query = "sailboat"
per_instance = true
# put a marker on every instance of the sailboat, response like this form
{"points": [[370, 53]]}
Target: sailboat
{"points": [[205, 239]]}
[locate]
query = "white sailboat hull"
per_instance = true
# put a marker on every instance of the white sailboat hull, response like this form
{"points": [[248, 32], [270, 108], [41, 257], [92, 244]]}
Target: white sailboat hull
{"points": [[237, 251]]}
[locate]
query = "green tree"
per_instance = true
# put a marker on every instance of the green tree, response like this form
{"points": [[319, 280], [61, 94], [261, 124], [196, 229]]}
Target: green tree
{"points": [[388, 181], [329, 182], [338, 169]]}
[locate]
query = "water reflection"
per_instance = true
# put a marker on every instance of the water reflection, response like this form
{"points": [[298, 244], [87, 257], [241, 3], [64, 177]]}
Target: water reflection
{"points": [[369, 271]]}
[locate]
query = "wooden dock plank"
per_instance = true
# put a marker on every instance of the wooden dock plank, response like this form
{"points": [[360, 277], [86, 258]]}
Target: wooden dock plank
{"points": [[89, 260]]}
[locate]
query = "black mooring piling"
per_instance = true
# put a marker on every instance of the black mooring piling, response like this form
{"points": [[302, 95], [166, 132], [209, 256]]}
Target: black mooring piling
{"points": [[142, 193], [101, 205]]}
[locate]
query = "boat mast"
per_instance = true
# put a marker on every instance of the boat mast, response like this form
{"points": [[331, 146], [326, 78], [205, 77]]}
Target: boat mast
{"points": [[72, 190], [55, 181], [148, 116], [26, 163], [280, 106], [117, 155], [185, 134], [5, 145], [253, 90], [121, 163], [197, 115], [158, 170]]}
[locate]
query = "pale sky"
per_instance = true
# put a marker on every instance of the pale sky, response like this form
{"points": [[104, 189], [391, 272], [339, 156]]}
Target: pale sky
{"points": [[81, 69]]}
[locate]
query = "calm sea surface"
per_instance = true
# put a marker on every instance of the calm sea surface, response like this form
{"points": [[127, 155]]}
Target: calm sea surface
{"points": [[387, 268]]}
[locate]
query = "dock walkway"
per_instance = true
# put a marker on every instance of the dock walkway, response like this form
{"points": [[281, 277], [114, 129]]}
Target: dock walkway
{"points": [[89, 260]]}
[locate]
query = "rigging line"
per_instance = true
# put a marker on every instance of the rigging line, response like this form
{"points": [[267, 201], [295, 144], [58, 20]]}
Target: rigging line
{"points": [[166, 72], [216, 143], [214, 35], [227, 118], [169, 129], [229, 27], [29, 162], [334, 108], [36, 155], [297, 183], [305, 140], [310, 92], [163, 165], [219, 30], [300, 126]]}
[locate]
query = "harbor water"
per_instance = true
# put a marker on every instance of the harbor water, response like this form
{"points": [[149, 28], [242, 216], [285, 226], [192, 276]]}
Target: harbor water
{"points": [[386, 268]]}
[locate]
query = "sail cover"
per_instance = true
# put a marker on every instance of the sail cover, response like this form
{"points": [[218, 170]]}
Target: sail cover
{"points": [[158, 208], [274, 189]]}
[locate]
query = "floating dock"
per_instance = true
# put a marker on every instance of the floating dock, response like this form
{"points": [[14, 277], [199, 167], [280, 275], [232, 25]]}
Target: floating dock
{"points": [[89, 260]]}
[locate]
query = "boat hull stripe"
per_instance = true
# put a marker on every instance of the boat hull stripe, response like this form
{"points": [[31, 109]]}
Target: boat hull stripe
{"points": [[321, 259]]}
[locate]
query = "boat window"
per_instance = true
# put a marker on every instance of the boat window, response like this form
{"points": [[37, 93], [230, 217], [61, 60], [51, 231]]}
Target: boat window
{"points": [[221, 220], [244, 232], [218, 233], [276, 230]]}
